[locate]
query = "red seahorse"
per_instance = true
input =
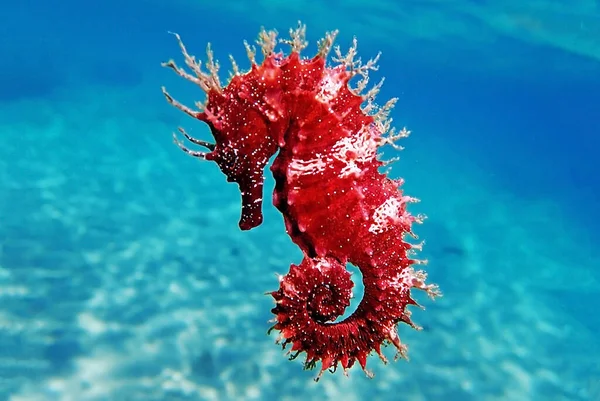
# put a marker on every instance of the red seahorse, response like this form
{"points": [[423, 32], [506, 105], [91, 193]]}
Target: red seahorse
{"points": [[337, 206]]}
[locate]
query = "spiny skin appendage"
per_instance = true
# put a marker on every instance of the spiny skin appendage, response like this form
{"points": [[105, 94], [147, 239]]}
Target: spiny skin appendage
{"points": [[337, 205]]}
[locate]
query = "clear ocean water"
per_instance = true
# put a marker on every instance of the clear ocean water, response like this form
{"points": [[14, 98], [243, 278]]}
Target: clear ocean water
{"points": [[123, 275]]}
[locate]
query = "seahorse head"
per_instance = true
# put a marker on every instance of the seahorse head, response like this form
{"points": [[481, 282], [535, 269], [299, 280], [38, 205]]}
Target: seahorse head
{"points": [[241, 151], [245, 127]]}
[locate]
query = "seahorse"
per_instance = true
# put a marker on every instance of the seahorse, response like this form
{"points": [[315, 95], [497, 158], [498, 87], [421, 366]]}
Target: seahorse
{"points": [[337, 205]]}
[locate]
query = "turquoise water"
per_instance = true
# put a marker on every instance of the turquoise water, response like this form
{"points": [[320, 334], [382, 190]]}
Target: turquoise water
{"points": [[123, 275]]}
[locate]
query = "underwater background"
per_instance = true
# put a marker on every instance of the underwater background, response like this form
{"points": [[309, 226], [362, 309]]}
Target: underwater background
{"points": [[124, 276]]}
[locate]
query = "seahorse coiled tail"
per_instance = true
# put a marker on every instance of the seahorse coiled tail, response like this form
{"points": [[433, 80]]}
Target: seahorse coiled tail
{"points": [[337, 205]]}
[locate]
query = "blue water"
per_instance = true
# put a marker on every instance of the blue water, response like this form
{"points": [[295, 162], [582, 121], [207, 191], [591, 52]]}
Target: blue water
{"points": [[123, 275]]}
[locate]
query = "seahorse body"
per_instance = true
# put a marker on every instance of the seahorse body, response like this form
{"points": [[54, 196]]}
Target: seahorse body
{"points": [[337, 206]]}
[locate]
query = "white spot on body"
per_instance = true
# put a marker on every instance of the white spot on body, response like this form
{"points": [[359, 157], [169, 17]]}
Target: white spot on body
{"points": [[387, 214], [352, 151], [356, 149], [403, 280], [298, 167], [320, 263], [331, 83]]}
